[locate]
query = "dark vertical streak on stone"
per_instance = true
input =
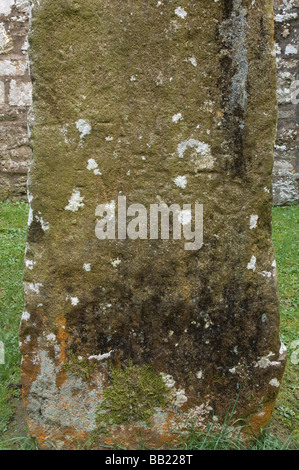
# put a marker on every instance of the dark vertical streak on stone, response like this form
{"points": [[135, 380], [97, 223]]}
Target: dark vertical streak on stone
{"points": [[234, 66], [227, 8]]}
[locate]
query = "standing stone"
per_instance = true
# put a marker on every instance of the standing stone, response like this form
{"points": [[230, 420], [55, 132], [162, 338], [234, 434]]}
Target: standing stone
{"points": [[168, 102]]}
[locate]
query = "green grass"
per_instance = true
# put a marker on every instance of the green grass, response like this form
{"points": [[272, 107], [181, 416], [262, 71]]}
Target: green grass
{"points": [[286, 241], [222, 439], [18, 443], [13, 222]]}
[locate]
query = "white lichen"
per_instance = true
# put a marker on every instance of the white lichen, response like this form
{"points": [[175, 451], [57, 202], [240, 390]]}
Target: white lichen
{"points": [[185, 217], [116, 262], [34, 287], [177, 117], [168, 380], [101, 357], [201, 148], [25, 316], [198, 415], [93, 166], [266, 274], [30, 216], [282, 350], [29, 264], [264, 318], [51, 337], [253, 221], [265, 362], [291, 50], [83, 127], [274, 383], [179, 398], [74, 300], [180, 12], [193, 61], [180, 181], [45, 225], [75, 202], [251, 265]]}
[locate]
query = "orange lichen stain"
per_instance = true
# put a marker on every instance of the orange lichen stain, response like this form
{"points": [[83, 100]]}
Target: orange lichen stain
{"points": [[61, 378], [186, 291], [37, 432], [62, 337], [131, 436], [65, 439], [259, 420], [162, 435]]}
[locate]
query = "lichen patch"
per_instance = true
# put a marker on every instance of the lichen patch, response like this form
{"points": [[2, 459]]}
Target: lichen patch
{"points": [[75, 202]]}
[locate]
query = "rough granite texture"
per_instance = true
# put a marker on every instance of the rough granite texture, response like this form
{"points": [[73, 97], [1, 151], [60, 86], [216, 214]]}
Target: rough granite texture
{"points": [[132, 86]]}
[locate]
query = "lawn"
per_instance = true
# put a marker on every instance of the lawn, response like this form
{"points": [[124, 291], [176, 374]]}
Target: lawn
{"points": [[13, 223], [282, 432]]}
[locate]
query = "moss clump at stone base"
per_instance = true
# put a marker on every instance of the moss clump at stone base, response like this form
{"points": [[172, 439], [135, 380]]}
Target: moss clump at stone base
{"points": [[78, 367], [134, 394]]}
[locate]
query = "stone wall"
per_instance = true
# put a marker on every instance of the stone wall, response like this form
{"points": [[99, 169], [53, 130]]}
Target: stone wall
{"points": [[285, 178], [15, 97], [15, 89]]}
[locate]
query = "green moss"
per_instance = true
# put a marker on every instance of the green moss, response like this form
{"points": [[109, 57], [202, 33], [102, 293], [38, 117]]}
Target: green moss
{"points": [[133, 396], [78, 367]]}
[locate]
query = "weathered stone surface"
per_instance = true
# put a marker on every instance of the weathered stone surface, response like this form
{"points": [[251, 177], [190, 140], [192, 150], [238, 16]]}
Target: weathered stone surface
{"points": [[158, 102]]}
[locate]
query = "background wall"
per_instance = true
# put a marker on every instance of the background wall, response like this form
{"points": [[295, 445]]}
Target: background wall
{"points": [[15, 98], [286, 165]]}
